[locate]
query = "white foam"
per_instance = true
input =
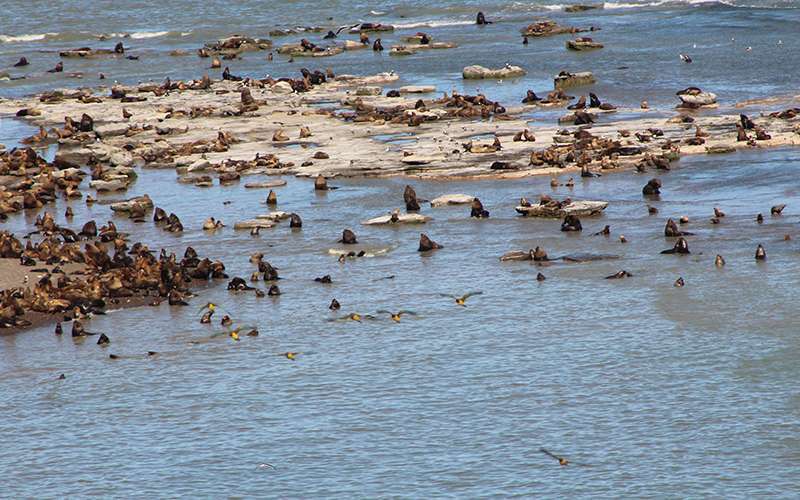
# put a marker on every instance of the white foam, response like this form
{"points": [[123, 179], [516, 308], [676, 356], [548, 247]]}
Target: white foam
{"points": [[434, 24], [138, 35], [25, 38]]}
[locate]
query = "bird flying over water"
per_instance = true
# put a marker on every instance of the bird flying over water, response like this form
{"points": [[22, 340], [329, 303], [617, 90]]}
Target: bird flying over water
{"points": [[461, 301], [396, 316]]}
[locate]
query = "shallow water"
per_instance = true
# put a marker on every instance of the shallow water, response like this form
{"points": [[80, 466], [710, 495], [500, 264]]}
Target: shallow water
{"points": [[648, 389]]}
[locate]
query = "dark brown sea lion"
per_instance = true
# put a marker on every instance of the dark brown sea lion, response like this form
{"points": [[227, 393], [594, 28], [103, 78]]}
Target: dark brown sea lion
{"points": [[653, 187], [57, 69], [571, 224], [324, 279], [746, 122], [480, 19], [477, 209], [272, 198], [671, 230], [761, 254], [540, 277], [348, 237], [760, 219], [681, 247], [59, 330], [377, 46], [119, 48], [619, 275], [410, 197], [679, 283], [274, 291], [103, 340], [531, 98], [777, 209], [22, 62], [295, 221], [427, 244], [335, 306]]}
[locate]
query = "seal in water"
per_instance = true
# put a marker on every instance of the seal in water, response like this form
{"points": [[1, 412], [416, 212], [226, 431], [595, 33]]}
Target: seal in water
{"points": [[540, 277], [619, 275], [571, 224], [671, 230], [427, 244], [719, 261], [653, 187], [679, 283], [335, 306], [295, 222], [22, 62], [57, 69], [681, 247], [348, 237], [761, 254], [377, 46], [477, 210], [410, 197], [480, 19]]}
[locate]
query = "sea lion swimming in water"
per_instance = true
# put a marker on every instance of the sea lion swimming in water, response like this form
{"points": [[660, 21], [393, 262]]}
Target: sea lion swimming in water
{"points": [[272, 198], [540, 277], [348, 237], [295, 222], [410, 197], [671, 230], [653, 187], [477, 209], [334, 306], [761, 254], [274, 291], [327, 280], [531, 98], [103, 340], [22, 62], [119, 48], [426, 244], [480, 19], [57, 69], [718, 212], [681, 247], [679, 283], [605, 232], [377, 46], [571, 224], [777, 209], [619, 275], [719, 261]]}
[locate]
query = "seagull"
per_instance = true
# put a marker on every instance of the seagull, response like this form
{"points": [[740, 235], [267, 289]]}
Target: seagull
{"points": [[685, 58]]}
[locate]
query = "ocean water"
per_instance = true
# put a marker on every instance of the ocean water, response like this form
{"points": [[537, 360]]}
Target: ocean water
{"points": [[649, 390]]}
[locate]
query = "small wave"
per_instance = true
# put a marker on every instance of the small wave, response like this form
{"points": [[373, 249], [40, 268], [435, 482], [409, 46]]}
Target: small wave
{"points": [[433, 24], [376, 13], [26, 38], [138, 35]]}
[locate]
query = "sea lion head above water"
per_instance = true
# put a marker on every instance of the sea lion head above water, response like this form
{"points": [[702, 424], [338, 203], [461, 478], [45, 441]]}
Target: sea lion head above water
{"points": [[652, 188], [348, 237], [571, 224], [426, 244], [681, 247], [477, 209], [761, 254]]}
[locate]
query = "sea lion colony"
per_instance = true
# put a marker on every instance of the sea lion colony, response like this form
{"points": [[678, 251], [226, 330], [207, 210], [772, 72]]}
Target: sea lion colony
{"points": [[238, 126]]}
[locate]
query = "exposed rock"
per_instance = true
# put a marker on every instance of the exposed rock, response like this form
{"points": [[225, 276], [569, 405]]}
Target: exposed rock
{"points": [[477, 72]]}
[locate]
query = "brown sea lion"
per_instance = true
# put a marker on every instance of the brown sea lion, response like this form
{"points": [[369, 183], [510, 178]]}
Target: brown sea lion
{"points": [[320, 183], [571, 224], [540, 277], [777, 209], [477, 209], [377, 46], [334, 306], [619, 275], [681, 247], [348, 237], [272, 198], [719, 261], [480, 19], [671, 230], [653, 187], [761, 254], [427, 244], [410, 197], [295, 221], [22, 62], [679, 283]]}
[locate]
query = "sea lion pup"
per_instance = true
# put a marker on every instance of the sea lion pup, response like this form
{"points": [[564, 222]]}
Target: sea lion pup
{"points": [[581, 104], [480, 19], [741, 135], [777, 209], [327, 280], [410, 197], [320, 183], [671, 230], [103, 340], [653, 187], [619, 275], [718, 212], [295, 222], [540, 277], [119, 48], [681, 247], [59, 330], [274, 291], [57, 69], [746, 122], [761, 254], [679, 283], [762, 135], [211, 224], [531, 98], [22, 62], [335, 306], [272, 198], [348, 237], [571, 224], [760, 219], [305, 132], [477, 209], [719, 261], [426, 244], [377, 46]]}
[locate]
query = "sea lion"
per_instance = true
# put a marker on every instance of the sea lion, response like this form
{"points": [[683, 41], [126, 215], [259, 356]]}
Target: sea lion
{"points": [[59, 330], [671, 230], [68, 213], [746, 122], [320, 183], [480, 19], [119, 48], [761, 254], [571, 224], [272, 198], [653, 187], [427, 244], [57, 69], [622, 238], [760, 219], [581, 104], [741, 135], [330, 36], [103, 340], [477, 209], [679, 283], [777, 209], [348, 237], [22, 62], [540, 277], [718, 212], [410, 197], [334, 306], [226, 321], [363, 38], [719, 261], [531, 98], [619, 275], [324, 279], [77, 329], [524, 40], [377, 46], [274, 291], [206, 318], [539, 255], [89, 230], [295, 221], [762, 135], [604, 232], [681, 247]]}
